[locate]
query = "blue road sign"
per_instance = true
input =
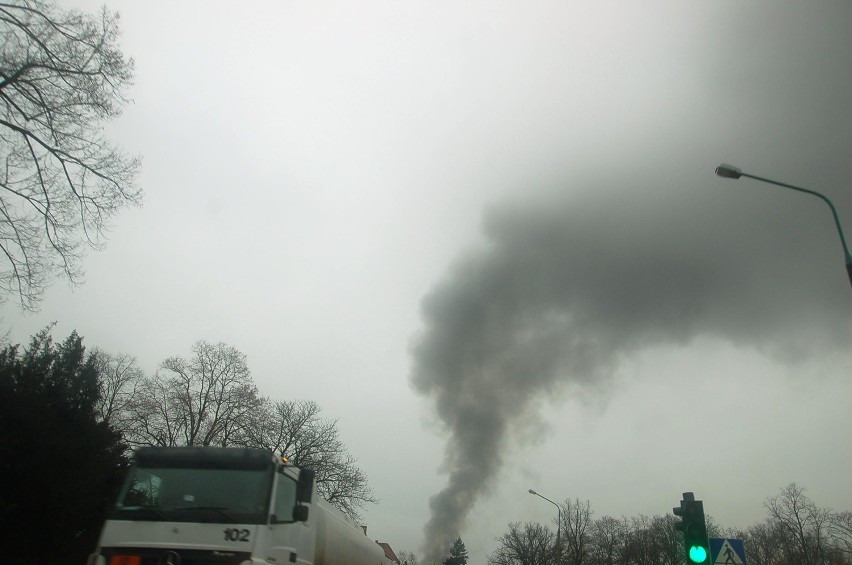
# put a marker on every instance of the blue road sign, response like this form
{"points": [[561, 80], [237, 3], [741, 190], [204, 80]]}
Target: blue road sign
{"points": [[727, 552]]}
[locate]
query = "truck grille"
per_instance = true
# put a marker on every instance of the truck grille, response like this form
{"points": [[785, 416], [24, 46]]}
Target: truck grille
{"points": [[166, 556]]}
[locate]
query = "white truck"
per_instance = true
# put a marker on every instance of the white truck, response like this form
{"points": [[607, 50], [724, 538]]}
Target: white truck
{"points": [[227, 506]]}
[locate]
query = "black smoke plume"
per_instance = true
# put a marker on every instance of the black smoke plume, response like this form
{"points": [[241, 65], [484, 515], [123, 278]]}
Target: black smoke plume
{"points": [[565, 289]]}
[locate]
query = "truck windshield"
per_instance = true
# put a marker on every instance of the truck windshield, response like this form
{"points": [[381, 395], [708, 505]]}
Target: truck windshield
{"points": [[190, 494]]}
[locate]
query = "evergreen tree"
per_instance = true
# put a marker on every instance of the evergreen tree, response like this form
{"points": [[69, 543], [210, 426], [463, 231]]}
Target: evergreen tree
{"points": [[458, 554], [60, 465]]}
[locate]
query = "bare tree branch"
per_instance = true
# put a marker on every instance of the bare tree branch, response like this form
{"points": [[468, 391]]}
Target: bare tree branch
{"points": [[296, 429], [62, 76], [119, 383]]}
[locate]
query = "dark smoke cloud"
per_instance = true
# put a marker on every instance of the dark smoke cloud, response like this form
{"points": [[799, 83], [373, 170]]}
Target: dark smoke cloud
{"points": [[566, 288]]}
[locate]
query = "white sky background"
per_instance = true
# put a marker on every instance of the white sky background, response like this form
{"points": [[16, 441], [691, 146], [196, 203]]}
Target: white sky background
{"points": [[312, 171]]}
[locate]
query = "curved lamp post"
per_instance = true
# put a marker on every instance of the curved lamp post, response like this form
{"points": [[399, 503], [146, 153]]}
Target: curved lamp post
{"points": [[558, 523], [731, 172]]}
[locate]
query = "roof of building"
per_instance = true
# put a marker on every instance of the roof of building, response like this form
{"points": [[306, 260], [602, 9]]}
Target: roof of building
{"points": [[389, 552]]}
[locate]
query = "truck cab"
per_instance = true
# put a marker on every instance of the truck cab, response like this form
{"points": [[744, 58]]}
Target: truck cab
{"points": [[226, 506]]}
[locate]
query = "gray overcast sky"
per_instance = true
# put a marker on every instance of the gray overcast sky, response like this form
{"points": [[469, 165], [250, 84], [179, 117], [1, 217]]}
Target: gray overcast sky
{"points": [[510, 205]]}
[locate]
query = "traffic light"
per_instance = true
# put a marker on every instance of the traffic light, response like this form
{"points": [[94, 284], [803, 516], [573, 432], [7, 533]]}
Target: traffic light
{"points": [[694, 529]]}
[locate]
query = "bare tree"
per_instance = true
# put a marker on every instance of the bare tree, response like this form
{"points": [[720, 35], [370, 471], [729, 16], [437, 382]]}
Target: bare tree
{"points": [[576, 531], [154, 415], [803, 524], [531, 544], [765, 543], [607, 540], [62, 76], [208, 399], [642, 547], [407, 558], [120, 380], [296, 429], [344, 484], [841, 531], [667, 542]]}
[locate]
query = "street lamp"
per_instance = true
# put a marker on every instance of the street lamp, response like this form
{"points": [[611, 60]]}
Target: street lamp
{"points": [[731, 172], [558, 522]]}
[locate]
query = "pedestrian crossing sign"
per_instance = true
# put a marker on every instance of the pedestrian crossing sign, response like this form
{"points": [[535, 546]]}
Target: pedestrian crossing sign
{"points": [[727, 552]]}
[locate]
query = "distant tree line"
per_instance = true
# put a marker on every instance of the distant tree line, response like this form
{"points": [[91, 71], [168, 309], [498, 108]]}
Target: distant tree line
{"points": [[456, 555], [69, 419], [795, 532]]}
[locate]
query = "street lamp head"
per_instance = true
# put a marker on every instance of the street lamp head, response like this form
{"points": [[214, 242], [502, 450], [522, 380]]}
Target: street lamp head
{"points": [[531, 491], [731, 172], [728, 171]]}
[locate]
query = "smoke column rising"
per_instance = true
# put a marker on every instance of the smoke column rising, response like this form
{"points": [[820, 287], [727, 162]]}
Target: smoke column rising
{"points": [[566, 288]]}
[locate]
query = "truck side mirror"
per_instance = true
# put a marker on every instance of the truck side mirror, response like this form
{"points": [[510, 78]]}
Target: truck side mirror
{"points": [[300, 513], [305, 486]]}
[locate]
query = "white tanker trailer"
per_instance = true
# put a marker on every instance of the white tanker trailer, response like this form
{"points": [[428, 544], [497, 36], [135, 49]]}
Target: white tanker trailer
{"points": [[226, 506]]}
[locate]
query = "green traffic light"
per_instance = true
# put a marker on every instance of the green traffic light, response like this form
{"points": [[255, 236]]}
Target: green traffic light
{"points": [[697, 554]]}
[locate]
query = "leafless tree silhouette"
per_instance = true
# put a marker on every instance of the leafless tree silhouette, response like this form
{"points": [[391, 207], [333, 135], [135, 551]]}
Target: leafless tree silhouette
{"points": [[62, 76]]}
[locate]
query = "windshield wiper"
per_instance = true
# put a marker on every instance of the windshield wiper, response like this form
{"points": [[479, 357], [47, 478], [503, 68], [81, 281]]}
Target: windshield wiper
{"points": [[146, 511], [218, 509]]}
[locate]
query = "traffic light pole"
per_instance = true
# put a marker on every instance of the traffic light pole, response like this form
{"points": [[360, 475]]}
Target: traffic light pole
{"points": [[694, 528]]}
